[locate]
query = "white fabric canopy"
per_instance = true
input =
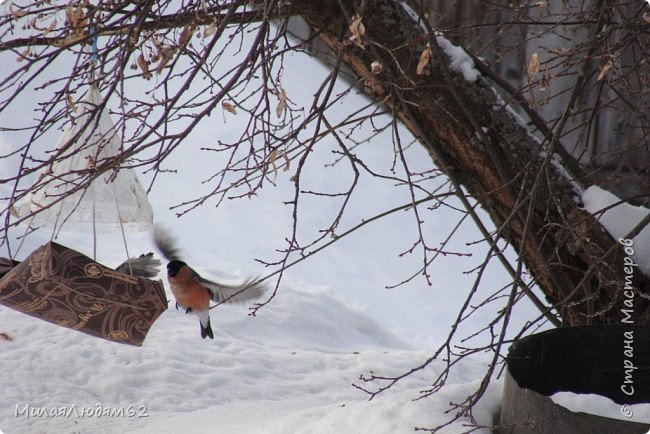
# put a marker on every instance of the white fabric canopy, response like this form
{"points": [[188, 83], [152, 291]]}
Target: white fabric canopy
{"points": [[114, 201]]}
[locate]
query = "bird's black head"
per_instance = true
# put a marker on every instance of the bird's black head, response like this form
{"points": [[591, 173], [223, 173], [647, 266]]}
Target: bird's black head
{"points": [[174, 266]]}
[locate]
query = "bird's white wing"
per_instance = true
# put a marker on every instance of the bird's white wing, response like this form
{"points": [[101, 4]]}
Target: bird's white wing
{"points": [[220, 293]]}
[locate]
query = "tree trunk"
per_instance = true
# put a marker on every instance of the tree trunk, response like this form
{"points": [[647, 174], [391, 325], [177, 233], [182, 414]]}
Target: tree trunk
{"points": [[532, 198]]}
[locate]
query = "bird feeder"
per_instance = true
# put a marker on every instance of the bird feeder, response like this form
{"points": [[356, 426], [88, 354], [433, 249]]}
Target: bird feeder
{"points": [[83, 190]]}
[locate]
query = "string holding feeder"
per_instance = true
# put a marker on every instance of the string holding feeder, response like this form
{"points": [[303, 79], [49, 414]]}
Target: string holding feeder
{"points": [[93, 41], [93, 51]]}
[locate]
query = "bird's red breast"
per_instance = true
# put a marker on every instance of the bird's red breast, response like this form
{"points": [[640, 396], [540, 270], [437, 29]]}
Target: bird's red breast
{"points": [[188, 291]]}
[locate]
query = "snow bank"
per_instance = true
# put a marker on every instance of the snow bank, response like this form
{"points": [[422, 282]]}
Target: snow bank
{"points": [[289, 369], [619, 218], [602, 406]]}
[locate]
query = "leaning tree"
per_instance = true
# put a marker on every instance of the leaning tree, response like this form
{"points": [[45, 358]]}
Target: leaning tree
{"points": [[521, 105]]}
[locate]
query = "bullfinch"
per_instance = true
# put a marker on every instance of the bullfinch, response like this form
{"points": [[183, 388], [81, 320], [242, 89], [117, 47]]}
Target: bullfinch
{"points": [[194, 293]]}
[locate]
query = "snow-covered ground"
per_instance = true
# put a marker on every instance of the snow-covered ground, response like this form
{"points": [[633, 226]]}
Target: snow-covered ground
{"points": [[289, 370]]}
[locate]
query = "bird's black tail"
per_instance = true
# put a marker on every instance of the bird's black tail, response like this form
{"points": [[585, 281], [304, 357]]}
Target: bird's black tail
{"points": [[206, 331], [145, 266]]}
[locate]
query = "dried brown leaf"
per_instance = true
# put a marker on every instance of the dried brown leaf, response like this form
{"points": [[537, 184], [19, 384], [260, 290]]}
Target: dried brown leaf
{"points": [[165, 53], [71, 105], [272, 157], [282, 103], [144, 66], [211, 29], [229, 107], [533, 65], [186, 35], [75, 20], [287, 162], [357, 29], [76, 23], [5, 336], [356, 26], [425, 56], [604, 68]]}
